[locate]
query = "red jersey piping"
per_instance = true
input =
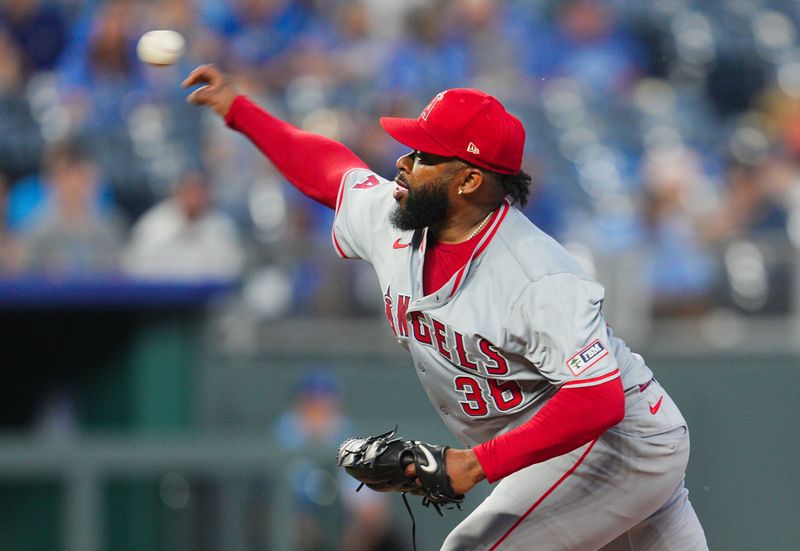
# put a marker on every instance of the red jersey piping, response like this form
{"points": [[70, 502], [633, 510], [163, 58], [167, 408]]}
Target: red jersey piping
{"points": [[339, 199], [504, 208], [544, 495]]}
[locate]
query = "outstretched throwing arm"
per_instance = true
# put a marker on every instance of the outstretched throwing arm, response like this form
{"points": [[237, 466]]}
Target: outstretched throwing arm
{"points": [[314, 164]]}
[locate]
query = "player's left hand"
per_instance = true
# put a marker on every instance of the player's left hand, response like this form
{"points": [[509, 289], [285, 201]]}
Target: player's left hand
{"points": [[462, 467], [381, 462]]}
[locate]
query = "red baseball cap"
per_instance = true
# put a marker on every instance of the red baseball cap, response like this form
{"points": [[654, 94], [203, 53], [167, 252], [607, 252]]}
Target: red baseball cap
{"points": [[464, 123]]}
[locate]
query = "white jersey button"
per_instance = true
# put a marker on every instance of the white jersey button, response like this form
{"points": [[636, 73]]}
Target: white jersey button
{"points": [[444, 410], [421, 367]]}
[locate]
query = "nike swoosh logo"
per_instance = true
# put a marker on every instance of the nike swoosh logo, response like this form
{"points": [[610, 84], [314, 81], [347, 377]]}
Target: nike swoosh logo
{"points": [[432, 465], [398, 245], [654, 408]]}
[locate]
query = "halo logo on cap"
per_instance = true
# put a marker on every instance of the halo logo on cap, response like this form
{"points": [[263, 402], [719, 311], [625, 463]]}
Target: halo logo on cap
{"points": [[427, 111]]}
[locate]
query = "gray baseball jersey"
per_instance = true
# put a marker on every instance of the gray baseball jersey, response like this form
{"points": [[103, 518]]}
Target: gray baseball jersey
{"points": [[510, 328], [518, 322]]}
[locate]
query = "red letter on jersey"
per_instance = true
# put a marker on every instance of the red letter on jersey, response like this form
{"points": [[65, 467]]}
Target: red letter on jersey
{"points": [[370, 182], [501, 365], [387, 303], [402, 310], [439, 333], [421, 331], [462, 354]]}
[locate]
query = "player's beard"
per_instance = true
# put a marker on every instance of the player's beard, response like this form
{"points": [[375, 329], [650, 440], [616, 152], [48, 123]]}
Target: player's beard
{"points": [[425, 205]]}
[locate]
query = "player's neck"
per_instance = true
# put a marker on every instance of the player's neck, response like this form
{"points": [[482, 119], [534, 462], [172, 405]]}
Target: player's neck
{"points": [[463, 225]]}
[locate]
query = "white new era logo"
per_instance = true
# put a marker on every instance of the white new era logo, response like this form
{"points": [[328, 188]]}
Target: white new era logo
{"points": [[472, 148]]}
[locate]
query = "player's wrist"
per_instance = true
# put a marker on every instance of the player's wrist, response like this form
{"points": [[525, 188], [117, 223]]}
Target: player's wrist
{"points": [[226, 107], [475, 467], [466, 463]]}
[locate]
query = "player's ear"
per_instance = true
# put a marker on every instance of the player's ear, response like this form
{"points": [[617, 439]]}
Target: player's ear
{"points": [[470, 180]]}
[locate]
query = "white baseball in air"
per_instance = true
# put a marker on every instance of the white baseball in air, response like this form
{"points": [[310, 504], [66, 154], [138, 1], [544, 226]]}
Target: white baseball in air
{"points": [[162, 47]]}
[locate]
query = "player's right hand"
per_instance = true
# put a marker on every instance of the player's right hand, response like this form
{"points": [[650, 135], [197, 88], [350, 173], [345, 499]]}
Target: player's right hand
{"points": [[216, 91]]}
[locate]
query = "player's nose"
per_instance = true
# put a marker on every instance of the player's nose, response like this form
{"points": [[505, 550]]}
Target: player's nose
{"points": [[404, 162]]}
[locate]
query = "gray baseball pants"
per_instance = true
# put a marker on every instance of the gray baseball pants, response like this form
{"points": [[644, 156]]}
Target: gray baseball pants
{"points": [[622, 492]]}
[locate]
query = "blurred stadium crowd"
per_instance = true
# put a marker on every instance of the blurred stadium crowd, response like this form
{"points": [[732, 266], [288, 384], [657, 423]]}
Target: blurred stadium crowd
{"points": [[670, 128]]}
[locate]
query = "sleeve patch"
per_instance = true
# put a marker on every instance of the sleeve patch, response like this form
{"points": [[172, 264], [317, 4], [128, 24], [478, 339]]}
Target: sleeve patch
{"points": [[587, 357]]}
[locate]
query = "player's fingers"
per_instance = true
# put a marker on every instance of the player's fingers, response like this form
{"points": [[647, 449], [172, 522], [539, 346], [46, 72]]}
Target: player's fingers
{"points": [[204, 74], [201, 74], [197, 76], [201, 96], [411, 472]]}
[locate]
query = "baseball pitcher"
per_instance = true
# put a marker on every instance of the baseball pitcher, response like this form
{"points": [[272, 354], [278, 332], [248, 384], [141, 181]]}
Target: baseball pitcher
{"points": [[585, 449]]}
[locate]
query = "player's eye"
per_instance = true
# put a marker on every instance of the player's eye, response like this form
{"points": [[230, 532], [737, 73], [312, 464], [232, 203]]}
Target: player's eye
{"points": [[428, 159], [420, 157]]}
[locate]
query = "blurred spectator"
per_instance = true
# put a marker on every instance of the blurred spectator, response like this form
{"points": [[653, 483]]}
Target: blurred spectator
{"points": [[100, 85], [256, 33], [756, 201], [344, 54], [677, 198], [20, 137], [761, 170], [70, 234], [183, 237], [7, 260], [69, 68], [11, 66], [179, 15], [39, 29], [31, 198], [99, 73], [752, 233], [779, 111], [315, 422], [430, 57], [587, 42], [493, 49]]}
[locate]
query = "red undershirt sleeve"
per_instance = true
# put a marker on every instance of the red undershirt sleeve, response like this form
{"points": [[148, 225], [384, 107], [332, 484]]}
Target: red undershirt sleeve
{"points": [[571, 418], [314, 164]]}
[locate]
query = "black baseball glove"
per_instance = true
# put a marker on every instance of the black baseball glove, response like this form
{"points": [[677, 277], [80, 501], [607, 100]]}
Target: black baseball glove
{"points": [[379, 462]]}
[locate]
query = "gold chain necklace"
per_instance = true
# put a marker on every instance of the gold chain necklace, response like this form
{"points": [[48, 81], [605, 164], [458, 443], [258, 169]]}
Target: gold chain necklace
{"points": [[477, 230]]}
